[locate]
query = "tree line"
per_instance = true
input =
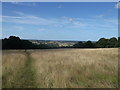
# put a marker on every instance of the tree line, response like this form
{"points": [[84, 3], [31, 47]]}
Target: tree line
{"points": [[101, 43], [14, 42]]}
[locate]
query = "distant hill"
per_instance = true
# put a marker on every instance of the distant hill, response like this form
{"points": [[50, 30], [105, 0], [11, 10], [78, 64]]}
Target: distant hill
{"points": [[61, 43]]}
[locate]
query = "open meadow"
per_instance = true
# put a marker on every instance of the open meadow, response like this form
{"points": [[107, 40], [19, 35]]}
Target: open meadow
{"points": [[60, 68]]}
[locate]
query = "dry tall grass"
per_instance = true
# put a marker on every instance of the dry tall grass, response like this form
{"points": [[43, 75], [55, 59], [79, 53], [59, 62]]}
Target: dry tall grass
{"points": [[12, 63], [76, 68], [61, 68]]}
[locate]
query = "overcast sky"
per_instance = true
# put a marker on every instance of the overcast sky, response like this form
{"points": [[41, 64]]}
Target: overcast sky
{"points": [[60, 21]]}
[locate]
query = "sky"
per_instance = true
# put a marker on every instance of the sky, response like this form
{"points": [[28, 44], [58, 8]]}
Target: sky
{"points": [[80, 21]]}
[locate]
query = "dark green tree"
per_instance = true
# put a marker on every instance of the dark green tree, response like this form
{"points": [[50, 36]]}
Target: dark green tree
{"points": [[102, 43], [118, 42], [89, 44], [112, 43], [12, 42], [79, 45]]}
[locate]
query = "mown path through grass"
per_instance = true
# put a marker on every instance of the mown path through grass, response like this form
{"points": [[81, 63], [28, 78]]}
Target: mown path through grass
{"points": [[28, 79], [24, 77]]}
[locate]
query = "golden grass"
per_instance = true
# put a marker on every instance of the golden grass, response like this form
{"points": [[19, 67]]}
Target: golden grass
{"points": [[62, 68], [12, 62], [76, 68]]}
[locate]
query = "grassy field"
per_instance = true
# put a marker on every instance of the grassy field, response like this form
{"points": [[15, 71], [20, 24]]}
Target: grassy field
{"points": [[60, 68]]}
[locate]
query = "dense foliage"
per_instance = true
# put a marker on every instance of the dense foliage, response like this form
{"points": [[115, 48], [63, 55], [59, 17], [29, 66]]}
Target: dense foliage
{"points": [[101, 43], [14, 42]]}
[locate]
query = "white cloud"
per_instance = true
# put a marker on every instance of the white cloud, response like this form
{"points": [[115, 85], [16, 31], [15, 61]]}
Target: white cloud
{"points": [[74, 22], [114, 21], [14, 2], [41, 29], [14, 17], [24, 3], [68, 19], [62, 22], [26, 19], [18, 27], [23, 18], [99, 16], [117, 5]]}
